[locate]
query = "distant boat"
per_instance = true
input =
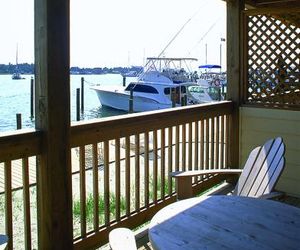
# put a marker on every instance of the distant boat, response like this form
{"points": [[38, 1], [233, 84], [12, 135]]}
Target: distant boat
{"points": [[17, 75], [213, 75]]}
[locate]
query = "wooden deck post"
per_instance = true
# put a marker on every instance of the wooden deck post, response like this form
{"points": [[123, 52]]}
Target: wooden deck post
{"points": [[52, 63], [234, 69]]}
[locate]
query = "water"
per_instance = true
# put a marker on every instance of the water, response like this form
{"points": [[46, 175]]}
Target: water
{"points": [[15, 98]]}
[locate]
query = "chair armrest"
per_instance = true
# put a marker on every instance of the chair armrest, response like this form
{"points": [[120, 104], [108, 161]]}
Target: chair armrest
{"points": [[271, 195], [193, 173], [184, 179]]}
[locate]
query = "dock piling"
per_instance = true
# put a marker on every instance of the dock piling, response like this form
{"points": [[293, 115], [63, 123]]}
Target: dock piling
{"points": [[19, 120], [78, 104], [82, 94], [124, 81]]}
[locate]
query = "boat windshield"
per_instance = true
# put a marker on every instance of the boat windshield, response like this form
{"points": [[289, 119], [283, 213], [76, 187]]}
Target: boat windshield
{"points": [[199, 91], [141, 88], [196, 89]]}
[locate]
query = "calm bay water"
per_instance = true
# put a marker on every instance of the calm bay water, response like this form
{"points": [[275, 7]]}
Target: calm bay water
{"points": [[15, 98]]}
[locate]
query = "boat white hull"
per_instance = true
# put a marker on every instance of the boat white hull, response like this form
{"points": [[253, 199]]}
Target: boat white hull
{"points": [[118, 100]]}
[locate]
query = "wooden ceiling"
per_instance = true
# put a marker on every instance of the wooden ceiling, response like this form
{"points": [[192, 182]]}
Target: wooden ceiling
{"points": [[288, 17], [272, 3]]}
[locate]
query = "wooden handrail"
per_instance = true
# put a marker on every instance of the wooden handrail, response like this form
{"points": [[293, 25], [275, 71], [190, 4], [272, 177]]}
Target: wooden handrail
{"points": [[87, 132], [19, 144]]}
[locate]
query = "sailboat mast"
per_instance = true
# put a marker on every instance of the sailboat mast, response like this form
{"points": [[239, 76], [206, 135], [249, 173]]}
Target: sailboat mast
{"points": [[17, 55]]}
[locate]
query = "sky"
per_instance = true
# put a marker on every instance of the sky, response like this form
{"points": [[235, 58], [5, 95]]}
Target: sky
{"points": [[111, 33]]}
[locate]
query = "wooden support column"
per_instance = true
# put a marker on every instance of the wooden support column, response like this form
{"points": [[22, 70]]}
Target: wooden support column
{"points": [[52, 63], [234, 74]]}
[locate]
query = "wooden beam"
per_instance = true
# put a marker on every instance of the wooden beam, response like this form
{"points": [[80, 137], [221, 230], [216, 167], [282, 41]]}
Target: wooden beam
{"points": [[234, 69], [52, 46], [274, 2]]}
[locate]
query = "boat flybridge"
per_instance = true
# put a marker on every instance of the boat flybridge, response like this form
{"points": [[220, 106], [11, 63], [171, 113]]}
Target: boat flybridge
{"points": [[164, 83]]}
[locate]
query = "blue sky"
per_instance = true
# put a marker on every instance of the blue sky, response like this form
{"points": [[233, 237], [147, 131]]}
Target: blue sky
{"points": [[122, 33]]}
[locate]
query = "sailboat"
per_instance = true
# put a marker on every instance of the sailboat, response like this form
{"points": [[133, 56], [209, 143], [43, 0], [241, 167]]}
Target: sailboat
{"points": [[17, 75]]}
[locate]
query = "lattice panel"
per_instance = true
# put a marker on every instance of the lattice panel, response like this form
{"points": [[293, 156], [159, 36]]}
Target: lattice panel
{"points": [[273, 60]]}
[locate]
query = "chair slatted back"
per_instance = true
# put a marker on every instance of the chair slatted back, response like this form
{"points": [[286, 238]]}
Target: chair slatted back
{"points": [[262, 169]]}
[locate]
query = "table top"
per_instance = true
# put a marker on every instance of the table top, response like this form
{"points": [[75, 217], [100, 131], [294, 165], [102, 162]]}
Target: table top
{"points": [[226, 222]]}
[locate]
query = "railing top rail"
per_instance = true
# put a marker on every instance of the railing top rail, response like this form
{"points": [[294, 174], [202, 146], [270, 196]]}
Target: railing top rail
{"points": [[83, 133], [19, 144], [28, 142]]}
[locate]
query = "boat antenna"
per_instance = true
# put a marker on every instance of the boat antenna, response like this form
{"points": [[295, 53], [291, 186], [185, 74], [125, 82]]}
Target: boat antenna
{"points": [[206, 33], [179, 31], [17, 55]]}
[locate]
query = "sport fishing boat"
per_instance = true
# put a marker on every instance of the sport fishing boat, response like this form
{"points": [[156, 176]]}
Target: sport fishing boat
{"points": [[164, 83]]}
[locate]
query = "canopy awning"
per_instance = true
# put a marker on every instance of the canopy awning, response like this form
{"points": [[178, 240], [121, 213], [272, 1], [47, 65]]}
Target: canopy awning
{"points": [[209, 66]]}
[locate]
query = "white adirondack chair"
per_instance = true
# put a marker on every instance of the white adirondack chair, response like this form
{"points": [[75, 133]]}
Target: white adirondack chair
{"points": [[257, 179]]}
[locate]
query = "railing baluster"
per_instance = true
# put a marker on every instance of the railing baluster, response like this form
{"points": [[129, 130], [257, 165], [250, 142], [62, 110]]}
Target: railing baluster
{"points": [[82, 191], [217, 166], [202, 145], [222, 142], [26, 203], [146, 155], [8, 204], [137, 172], [118, 178], [183, 146], [207, 122], [170, 158], [106, 183], [95, 186], [127, 174], [162, 163], [155, 161], [227, 147], [212, 144], [196, 146], [177, 148], [190, 143]]}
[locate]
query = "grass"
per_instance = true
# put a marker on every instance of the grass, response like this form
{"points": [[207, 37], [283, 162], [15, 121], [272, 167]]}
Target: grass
{"points": [[101, 203], [112, 202], [18, 213]]}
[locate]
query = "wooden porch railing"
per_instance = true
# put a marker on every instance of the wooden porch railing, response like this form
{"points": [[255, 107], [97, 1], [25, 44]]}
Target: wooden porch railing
{"points": [[120, 169]]}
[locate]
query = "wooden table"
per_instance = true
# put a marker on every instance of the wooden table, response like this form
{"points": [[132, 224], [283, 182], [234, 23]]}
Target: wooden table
{"points": [[226, 222]]}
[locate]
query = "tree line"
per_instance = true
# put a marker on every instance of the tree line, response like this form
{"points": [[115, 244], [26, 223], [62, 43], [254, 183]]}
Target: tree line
{"points": [[26, 68]]}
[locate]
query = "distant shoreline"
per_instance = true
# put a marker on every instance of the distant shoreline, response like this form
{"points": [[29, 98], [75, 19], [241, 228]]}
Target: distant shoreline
{"points": [[28, 69]]}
